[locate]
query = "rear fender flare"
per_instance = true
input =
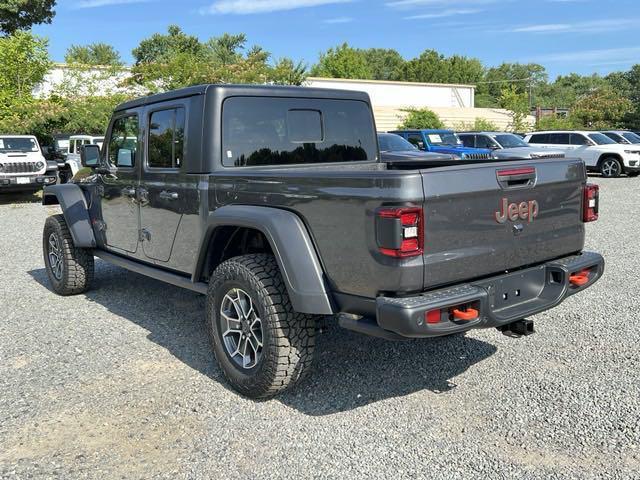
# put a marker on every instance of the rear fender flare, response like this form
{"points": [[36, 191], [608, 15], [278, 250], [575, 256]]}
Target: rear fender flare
{"points": [[75, 210], [290, 242]]}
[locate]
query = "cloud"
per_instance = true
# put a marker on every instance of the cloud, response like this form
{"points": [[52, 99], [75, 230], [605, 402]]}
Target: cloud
{"points": [[444, 3], [106, 3], [332, 21], [247, 7], [606, 55], [444, 13], [594, 26]]}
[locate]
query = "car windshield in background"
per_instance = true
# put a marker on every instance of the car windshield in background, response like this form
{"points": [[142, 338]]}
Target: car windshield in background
{"points": [[18, 144], [444, 139], [390, 142], [601, 139], [509, 140], [631, 137]]}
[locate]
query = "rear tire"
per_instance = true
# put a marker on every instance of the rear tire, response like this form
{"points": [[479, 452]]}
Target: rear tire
{"points": [[70, 269], [261, 344], [610, 167]]}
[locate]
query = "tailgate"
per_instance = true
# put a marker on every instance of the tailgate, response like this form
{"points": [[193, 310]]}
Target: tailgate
{"points": [[488, 218]]}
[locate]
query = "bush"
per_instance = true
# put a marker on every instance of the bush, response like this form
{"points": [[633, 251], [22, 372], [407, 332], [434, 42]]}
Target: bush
{"points": [[479, 125], [557, 123], [420, 118]]}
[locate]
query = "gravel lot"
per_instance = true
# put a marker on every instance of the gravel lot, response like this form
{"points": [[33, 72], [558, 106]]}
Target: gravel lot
{"points": [[121, 383]]}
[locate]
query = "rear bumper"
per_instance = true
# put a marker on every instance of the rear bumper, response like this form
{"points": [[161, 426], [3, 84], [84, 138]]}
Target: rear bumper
{"points": [[34, 182], [498, 300]]}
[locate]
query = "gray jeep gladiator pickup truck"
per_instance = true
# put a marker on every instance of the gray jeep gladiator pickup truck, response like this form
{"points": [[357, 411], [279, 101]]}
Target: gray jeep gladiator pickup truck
{"points": [[273, 202]]}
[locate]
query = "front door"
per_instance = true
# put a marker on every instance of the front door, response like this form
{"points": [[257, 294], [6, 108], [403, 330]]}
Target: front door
{"points": [[164, 188], [120, 211]]}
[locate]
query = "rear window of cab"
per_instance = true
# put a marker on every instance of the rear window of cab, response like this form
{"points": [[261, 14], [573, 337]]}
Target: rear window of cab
{"points": [[293, 131]]}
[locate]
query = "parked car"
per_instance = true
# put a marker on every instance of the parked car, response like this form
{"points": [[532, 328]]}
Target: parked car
{"points": [[395, 150], [284, 212], [443, 141], [599, 152], [22, 165], [506, 145], [72, 161], [623, 137]]}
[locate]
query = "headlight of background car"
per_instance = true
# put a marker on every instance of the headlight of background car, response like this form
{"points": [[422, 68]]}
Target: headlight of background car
{"points": [[39, 166]]}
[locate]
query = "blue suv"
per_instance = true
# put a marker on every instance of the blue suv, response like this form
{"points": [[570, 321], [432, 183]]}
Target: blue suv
{"points": [[444, 141]]}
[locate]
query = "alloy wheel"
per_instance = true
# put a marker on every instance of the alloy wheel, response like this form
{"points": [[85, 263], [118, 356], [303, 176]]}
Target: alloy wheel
{"points": [[241, 329], [611, 168], [55, 257]]}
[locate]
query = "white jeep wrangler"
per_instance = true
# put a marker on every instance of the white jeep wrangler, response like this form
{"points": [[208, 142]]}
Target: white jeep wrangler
{"points": [[22, 165]]}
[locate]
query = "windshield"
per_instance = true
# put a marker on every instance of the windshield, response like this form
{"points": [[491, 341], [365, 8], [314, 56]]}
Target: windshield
{"points": [[509, 140], [601, 139], [390, 142], [631, 137], [444, 139], [18, 144]]}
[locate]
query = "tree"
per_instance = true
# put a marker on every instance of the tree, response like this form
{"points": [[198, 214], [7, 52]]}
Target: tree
{"points": [[93, 54], [383, 63], [419, 118], [342, 62], [602, 109], [286, 72], [227, 49], [479, 125], [518, 106], [161, 48], [432, 67], [24, 61], [521, 76], [22, 14]]}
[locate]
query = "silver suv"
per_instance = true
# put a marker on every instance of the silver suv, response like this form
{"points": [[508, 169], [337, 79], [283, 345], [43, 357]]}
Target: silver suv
{"points": [[506, 145]]}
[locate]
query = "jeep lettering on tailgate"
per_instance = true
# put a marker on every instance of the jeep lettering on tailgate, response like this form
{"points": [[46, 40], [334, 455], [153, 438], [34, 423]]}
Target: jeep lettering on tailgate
{"points": [[517, 211]]}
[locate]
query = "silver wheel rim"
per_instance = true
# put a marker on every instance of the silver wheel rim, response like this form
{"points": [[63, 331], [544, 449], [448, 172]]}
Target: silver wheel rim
{"points": [[610, 168], [241, 329], [55, 257]]}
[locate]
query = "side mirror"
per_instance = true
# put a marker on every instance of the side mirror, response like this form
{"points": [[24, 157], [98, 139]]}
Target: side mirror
{"points": [[421, 146], [90, 156]]}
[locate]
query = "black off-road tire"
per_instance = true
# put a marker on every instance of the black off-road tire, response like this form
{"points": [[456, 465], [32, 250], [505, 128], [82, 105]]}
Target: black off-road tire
{"points": [[288, 337], [77, 269], [611, 167]]}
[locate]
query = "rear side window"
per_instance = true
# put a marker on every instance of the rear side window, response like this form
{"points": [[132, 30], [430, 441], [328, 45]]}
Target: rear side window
{"points": [[559, 138], [123, 143], [166, 138], [483, 141], [539, 138], [467, 140], [290, 131]]}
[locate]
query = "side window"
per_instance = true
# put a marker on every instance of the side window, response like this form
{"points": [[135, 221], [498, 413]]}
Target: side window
{"points": [[417, 140], [577, 139], [166, 138], [539, 138], [482, 141], [123, 143], [72, 146], [467, 140], [559, 139]]}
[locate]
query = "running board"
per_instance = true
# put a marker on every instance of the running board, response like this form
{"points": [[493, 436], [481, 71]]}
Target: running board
{"points": [[153, 272]]}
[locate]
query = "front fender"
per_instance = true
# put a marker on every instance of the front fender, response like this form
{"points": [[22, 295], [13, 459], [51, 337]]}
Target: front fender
{"points": [[75, 210], [291, 245]]}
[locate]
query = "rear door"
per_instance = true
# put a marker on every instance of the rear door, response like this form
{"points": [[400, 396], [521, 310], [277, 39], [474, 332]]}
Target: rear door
{"points": [[485, 219], [164, 187]]}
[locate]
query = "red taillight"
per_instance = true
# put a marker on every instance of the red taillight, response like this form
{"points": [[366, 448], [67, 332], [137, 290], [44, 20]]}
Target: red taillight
{"points": [[590, 203], [432, 317], [400, 232]]}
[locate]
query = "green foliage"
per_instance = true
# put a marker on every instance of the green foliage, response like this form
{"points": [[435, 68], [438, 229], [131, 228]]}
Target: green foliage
{"points": [[24, 61], [384, 63], [519, 76], [342, 62], [160, 48], [518, 105], [23, 14], [100, 54], [432, 67], [479, 125], [419, 118], [286, 72], [602, 109], [553, 122]]}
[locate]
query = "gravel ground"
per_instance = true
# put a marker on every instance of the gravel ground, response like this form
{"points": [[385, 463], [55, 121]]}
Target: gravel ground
{"points": [[120, 382]]}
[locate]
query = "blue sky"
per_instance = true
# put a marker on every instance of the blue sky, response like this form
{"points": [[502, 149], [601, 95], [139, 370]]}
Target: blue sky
{"points": [[583, 36]]}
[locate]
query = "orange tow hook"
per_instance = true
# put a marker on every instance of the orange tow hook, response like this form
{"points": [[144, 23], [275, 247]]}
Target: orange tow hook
{"points": [[466, 315], [580, 278]]}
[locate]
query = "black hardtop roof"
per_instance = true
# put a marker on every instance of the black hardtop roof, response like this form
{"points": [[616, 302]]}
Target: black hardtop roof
{"points": [[248, 90]]}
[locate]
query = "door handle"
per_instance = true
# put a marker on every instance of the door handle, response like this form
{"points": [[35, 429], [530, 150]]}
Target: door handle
{"points": [[169, 195]]}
